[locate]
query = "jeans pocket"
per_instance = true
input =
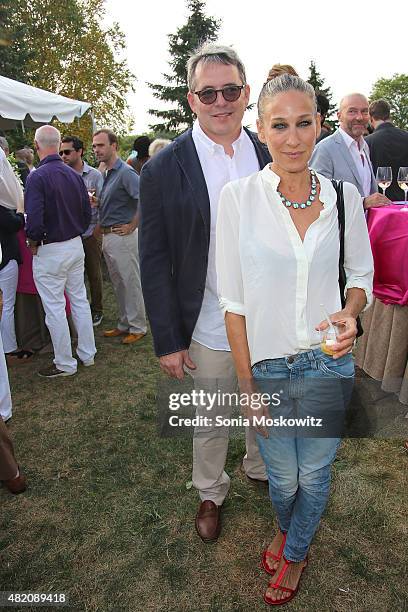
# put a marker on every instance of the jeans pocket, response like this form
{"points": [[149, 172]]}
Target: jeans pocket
{"points": [[338, 368], [258, 370]]}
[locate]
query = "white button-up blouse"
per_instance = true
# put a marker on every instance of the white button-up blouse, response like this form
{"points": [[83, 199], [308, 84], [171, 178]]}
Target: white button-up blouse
{"points": [[266, 273]]}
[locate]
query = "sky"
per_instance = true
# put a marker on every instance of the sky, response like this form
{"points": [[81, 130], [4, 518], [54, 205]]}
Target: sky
{"points": [[351, 45]]}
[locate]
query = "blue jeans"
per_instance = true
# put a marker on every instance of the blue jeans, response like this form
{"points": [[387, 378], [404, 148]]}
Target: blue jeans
{"points": [[297, 460]]}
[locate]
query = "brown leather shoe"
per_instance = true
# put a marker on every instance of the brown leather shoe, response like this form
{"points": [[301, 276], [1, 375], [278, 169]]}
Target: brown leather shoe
{"points": [[208, 521], [131, 338], [16, 485], [114, 333]]}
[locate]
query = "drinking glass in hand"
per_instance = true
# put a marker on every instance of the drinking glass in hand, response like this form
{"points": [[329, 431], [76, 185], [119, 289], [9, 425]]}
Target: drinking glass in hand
{"points": [[403, 184], [384, 177]]}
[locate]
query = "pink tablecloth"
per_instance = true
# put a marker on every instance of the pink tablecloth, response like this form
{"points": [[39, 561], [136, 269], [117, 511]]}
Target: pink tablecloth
{"points": [[388, 229], [25, 271]]}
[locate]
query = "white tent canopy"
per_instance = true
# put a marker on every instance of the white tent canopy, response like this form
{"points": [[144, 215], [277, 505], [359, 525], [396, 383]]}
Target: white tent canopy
{"points": [[31, 106]]}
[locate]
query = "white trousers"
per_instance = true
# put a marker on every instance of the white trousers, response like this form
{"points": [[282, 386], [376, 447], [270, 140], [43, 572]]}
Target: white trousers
{"points": [[5, 397], [8, 286], [59, 267], [122, 259], [216, 372]]}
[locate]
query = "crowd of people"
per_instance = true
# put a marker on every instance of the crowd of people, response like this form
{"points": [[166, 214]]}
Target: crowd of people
{"points": [[229, 242]]}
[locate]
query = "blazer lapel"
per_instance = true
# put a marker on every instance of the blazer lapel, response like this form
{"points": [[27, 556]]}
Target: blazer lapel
{"points": [[374, 186], [348, 159], [187, 157]]}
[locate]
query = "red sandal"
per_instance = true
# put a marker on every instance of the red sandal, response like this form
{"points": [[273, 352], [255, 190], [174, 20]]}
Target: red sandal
{"points": [[276, 584], [267, 553]]}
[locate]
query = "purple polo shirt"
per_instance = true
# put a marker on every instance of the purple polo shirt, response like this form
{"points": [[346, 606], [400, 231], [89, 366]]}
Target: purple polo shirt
{"points": [[56, 202]]}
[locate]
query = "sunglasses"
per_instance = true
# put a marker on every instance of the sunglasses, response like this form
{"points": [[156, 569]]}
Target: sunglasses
{"points": [[230, 93], [66, 152]]}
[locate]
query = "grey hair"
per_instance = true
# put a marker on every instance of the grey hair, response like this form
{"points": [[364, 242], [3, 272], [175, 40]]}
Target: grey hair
{"points": [[48, 137], [282, 84], [4, 144], [212, 53]]}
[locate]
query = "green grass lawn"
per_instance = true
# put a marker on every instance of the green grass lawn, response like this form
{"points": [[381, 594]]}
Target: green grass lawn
{"points": [[108, 518]]}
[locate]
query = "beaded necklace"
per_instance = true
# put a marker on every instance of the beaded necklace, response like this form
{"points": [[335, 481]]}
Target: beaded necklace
{"points": [[310, 199]]}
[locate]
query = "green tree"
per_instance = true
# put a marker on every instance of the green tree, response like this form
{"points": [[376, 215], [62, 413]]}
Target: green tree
{"points": [[14, 51], [75, 55], [317, 82], [395, 91], [198, 29]]}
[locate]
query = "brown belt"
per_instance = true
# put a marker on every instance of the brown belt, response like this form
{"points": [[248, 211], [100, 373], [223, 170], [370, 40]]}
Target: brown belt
{"points": [[107, 230]]}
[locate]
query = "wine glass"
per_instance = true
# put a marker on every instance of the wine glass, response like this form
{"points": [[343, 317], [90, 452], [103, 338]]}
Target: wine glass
{"points": [[92, 197], [403, 184], [384, 177]]}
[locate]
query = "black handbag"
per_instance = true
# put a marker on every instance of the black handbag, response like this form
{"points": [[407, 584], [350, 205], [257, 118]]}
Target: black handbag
{"points": [[338, 186]]}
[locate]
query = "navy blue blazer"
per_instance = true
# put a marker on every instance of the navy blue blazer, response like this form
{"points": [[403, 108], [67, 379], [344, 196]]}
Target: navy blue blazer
{"points": [[389, 147], [174, 237]]}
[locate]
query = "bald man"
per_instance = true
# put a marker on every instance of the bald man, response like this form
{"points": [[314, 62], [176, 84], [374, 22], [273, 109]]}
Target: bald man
{"points": [[58, 213], [345, 155]]}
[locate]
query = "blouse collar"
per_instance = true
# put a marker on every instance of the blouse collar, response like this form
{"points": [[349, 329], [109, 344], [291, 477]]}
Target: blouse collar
{"points": [[327, 193]]}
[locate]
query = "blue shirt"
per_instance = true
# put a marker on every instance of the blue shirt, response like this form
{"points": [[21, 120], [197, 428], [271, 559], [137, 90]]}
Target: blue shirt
{"points": [[119, 195], [93, 179], [56, 202]]}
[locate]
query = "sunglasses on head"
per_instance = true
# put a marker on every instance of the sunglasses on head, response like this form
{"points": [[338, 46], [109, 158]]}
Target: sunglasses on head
{"points": [[230, 93], [66, 152]]}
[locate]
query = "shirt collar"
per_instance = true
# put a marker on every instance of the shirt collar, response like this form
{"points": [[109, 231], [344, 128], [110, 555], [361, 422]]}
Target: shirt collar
{"points": [[212, 146], [86, 168], [327, 194], [115, 166], [384, 126], [50, 158], [361, 145]]}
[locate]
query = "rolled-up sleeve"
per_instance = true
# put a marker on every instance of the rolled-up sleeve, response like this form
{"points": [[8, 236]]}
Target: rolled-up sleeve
{"points": [[228, 262], [358, 258]]}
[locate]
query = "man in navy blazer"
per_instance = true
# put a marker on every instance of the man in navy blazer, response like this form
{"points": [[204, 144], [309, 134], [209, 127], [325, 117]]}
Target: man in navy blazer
{"points": [[179, 191], [388, 145], [345, 155]]}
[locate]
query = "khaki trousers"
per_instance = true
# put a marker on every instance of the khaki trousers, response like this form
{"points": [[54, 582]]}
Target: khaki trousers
{"points": [[122, 259], [216, 373], [8, 465]]}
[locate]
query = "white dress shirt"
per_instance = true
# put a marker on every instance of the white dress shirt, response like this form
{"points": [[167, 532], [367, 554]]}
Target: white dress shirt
{"points": [[11, 192], [266, 273], [360, 151], [218, 169]]}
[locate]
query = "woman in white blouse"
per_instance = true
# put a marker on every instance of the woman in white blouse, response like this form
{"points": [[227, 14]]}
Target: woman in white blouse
{"points": [[277, 262]]}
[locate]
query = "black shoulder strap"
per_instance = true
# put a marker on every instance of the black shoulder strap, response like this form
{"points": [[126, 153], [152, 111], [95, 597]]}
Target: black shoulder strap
{"points": [[338, 186]]}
